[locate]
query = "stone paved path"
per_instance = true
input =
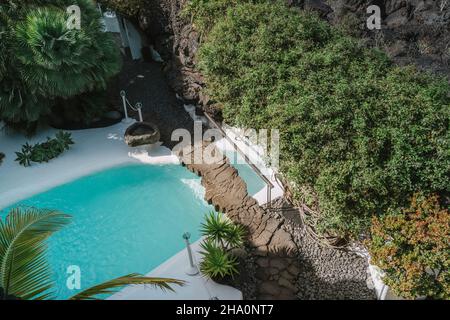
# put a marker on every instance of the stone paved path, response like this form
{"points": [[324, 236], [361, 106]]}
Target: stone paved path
{"points": [[287, 264]]}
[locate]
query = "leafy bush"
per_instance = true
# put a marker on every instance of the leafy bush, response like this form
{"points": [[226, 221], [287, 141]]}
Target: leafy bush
{"points": [[359, 133], [44, 152], [206, 13], [44, 65], [2, 155], [413, 249], [221, 237]]}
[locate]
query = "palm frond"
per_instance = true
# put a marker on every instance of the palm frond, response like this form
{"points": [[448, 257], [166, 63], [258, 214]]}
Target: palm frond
{"points": [[24, 270], [114, 285]]}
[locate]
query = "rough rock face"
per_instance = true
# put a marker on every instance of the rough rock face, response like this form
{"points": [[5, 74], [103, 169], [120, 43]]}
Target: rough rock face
{"points": [[177, 41], [324, 273], [142, 133], [413, 31], [267, 236], [282, 262]]}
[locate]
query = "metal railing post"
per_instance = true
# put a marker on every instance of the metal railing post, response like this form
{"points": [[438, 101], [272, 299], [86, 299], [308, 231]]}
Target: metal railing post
{"points": [[124, 101], [139, 107], [126, 104], [192, 269]]}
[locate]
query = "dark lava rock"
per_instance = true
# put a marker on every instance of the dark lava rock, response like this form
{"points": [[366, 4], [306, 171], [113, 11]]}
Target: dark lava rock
{"points": [[142, 133]]}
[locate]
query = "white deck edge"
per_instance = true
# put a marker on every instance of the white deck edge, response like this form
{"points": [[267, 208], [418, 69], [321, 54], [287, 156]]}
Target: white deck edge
{"points": [[94, 150], [253, 152], [197, 287]]}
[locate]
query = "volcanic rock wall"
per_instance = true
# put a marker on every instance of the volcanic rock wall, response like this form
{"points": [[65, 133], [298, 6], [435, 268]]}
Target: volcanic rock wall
{"points": [[413, 32], [273, 246], [176, 40]]}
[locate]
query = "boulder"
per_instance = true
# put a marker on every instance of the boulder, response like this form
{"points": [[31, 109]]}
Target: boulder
{"points": [[142, 133]]}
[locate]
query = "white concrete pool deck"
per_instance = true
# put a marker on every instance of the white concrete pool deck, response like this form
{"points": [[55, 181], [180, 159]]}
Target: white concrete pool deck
{"points": [[197, 287], [95, 150]]}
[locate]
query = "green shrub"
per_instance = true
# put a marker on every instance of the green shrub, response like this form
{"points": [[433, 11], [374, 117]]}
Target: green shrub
{"points": [[412, 247], [44, 152], [222, 236], [206, 13], [217, 263], [361, 134], [44, 65], [220, 229]]}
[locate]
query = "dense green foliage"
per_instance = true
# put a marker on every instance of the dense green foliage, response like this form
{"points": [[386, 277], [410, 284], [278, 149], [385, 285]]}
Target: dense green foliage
{"points": [[221, 237], [358, 135], [44, 65], [220, 229], [413, 249], [206, 13], [44, 152]]}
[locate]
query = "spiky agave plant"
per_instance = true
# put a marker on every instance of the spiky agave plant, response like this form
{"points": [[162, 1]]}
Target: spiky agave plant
{"points": [[221, 237], [222, 231], [24, 270]]}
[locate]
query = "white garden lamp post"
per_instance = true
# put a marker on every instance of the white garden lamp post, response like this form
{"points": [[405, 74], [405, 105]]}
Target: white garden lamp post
{"points": [[192, 269]]}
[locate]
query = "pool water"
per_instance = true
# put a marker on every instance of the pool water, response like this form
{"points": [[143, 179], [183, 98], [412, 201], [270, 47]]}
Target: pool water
{"points": [[253, 181], [124, 220]]}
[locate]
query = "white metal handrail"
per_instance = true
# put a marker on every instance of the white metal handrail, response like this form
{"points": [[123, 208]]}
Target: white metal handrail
{"points": [[246, 158], [126, 104]]}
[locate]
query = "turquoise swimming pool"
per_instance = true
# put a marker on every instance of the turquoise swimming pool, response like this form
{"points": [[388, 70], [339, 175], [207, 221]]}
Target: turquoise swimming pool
{"points": [[126, 219], [253, 181]]}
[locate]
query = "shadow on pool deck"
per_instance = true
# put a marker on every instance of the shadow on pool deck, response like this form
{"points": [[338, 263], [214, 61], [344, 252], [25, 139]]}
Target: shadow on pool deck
{"points": [[145, 82]]}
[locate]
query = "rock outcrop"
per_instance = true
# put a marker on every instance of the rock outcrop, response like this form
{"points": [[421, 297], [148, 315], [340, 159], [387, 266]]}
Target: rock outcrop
{"points": [[176, 40], [268, 238], [142, 133], [282, 262], [413, 32]]}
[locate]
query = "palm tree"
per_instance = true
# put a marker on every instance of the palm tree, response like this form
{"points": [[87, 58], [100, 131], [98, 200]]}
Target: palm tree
{"points": [[24, 270], [44, 65]]}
